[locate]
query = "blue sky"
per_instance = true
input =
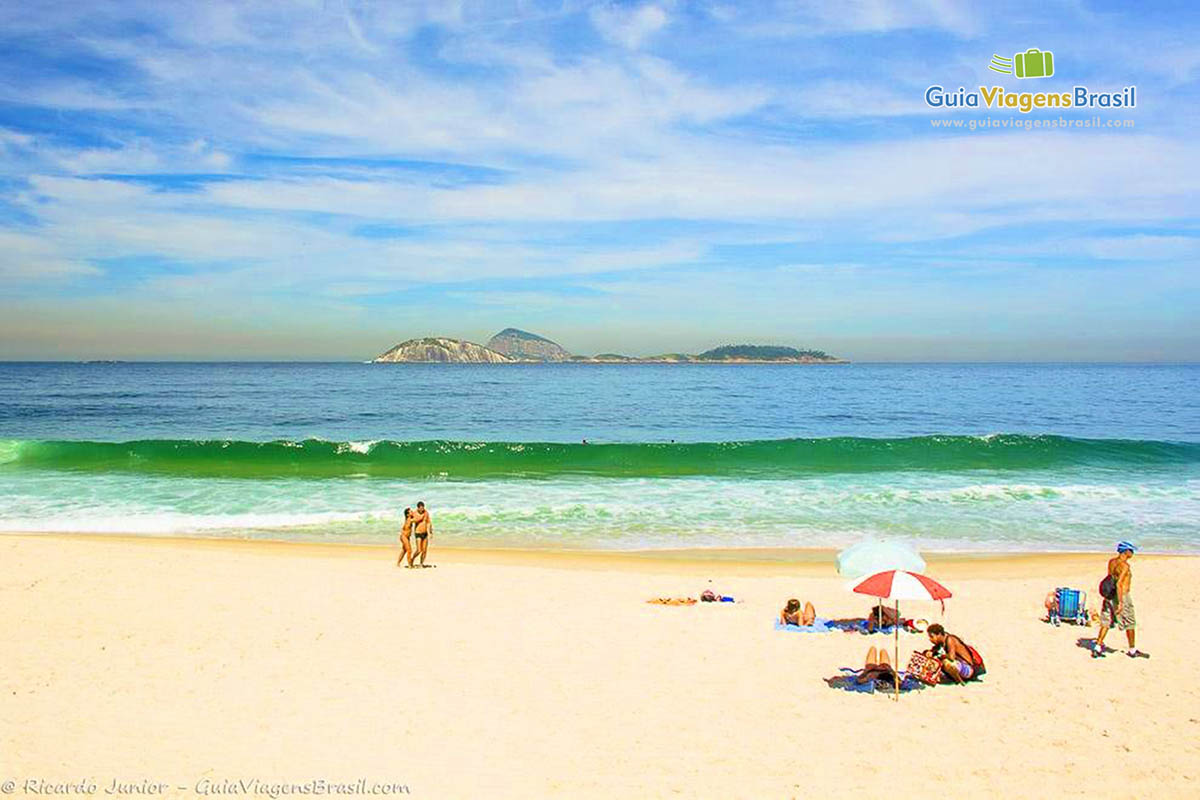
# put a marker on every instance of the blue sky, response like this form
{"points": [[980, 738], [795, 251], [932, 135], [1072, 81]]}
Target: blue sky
{"points": [[321, 180]]}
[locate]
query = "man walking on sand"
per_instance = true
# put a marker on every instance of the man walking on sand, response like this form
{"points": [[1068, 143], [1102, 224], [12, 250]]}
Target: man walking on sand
{"points": [[1118, 605], [423, 527]]}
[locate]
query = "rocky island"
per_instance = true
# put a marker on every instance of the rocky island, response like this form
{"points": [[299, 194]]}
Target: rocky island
{"points": [[525, 346], [515, 346], [440, 350]]}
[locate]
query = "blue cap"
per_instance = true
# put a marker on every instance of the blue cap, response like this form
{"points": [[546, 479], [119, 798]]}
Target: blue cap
{"points": [[1126, 547]]}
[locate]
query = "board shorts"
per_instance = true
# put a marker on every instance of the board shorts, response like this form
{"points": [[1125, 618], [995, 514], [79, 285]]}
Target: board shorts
{"points": [[965, 670], [1126, 620]]}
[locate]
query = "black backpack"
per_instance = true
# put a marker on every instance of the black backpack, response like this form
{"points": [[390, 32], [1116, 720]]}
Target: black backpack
{"points": [[1108, 588]]}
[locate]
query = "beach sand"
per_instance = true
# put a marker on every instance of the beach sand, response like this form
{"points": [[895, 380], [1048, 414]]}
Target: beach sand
{"points": [[514, 674]]}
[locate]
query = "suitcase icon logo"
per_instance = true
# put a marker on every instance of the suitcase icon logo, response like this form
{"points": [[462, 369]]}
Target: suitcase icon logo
{"points": [[1033, 63]]}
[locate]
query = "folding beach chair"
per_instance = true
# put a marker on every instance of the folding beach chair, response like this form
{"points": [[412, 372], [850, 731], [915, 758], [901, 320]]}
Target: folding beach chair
{"points": [[1070, 605]]}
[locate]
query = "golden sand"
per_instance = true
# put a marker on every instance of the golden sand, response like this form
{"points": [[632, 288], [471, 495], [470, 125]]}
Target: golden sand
{"points": [[186, 663]]}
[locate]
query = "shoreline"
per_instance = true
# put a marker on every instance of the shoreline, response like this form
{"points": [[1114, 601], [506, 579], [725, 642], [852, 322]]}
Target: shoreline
{"points": [[699, 560]]}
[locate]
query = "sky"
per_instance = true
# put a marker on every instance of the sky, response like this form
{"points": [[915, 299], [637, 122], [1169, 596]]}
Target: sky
{"points": [[320, 180]]}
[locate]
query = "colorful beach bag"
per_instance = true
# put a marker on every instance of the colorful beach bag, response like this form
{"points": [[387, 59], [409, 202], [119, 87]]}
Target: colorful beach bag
{"points": [[925, 668]]}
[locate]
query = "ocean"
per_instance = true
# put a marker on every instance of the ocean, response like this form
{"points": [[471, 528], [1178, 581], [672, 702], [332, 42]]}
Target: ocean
{"points": [[952, 457]]}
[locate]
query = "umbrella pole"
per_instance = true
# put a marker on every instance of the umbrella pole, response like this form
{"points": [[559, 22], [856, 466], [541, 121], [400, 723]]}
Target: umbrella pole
{"points": [[896, 651]]}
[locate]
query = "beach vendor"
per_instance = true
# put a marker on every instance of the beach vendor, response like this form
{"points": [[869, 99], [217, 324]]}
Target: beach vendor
{"points": [[960, 661]]}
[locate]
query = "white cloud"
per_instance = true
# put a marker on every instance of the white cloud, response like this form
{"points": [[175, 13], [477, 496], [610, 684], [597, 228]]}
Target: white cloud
{"points": [[840, 99], [629, 27], [787, 18], [25, 259], [1142, 247]]}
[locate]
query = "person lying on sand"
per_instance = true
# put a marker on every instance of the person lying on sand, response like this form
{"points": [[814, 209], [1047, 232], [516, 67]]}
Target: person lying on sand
{"points": [[960, 661], [792, 615], [876, 667]]}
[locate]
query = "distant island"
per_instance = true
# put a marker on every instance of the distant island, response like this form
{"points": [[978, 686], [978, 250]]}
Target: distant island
{"points": [[515, 346]]}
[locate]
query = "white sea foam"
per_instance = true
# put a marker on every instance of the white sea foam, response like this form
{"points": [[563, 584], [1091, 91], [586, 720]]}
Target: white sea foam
{"points": [[942, 512]]}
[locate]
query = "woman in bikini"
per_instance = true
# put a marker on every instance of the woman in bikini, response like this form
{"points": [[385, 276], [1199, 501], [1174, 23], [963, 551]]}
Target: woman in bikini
{"points": [[406, 539], [877, 667], [792, 615]]}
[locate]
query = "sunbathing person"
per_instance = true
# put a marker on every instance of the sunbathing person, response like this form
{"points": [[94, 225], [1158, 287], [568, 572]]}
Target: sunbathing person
{"points": [[877, 667], [880, 617], [793, 615], [960, 661]]}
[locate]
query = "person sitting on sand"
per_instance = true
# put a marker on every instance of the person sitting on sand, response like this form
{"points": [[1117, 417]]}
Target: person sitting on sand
{"points": [[405, 540], [881, 617], [1051, 603], [960, 661], [792, 615]]}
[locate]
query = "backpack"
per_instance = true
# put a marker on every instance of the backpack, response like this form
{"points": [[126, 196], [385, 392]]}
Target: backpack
{"points": [[1108, 588], [976, 659], [977, 664]]}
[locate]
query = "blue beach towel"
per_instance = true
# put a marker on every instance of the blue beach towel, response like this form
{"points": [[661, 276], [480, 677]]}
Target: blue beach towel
{"points": [[847, 682], [818, 626], [829, 625]]}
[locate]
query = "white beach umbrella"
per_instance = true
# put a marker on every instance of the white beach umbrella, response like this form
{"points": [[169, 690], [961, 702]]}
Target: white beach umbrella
{"points": [[872, 556]]}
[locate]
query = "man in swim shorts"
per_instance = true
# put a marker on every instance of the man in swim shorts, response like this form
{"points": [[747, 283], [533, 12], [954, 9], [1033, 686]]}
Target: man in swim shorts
{"points": [[423, 528], [1117, 611], [958, 662]]}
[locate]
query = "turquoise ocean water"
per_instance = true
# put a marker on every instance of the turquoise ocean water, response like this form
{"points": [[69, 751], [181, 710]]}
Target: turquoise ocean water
{"points": [[998, 457]]}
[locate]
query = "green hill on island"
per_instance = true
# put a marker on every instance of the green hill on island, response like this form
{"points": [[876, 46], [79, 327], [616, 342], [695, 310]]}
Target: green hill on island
{"points": [[762, 352]]}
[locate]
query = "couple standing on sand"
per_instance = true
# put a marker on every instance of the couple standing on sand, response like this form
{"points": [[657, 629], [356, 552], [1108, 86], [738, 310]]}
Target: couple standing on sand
{"points": [[417, 522]]}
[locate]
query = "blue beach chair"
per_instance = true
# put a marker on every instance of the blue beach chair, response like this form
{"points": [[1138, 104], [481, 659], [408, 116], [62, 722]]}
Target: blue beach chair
{"points": [[1071, 606]]}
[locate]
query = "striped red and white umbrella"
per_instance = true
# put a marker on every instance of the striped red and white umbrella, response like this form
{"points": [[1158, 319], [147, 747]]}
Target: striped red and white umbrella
{"points": [[898, 584]]}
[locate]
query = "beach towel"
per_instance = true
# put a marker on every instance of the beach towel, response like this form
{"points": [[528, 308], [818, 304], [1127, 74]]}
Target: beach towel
{"points": [[818, 626], [822, 625], [848, 682]]}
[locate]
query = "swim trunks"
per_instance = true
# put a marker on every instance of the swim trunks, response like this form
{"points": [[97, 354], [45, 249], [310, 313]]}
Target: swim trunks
{"points": [[1109, 617]]}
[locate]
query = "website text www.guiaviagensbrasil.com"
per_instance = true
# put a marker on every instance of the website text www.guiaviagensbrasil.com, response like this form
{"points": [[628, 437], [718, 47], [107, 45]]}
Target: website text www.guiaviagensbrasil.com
{"points": [[1009, 123]]}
